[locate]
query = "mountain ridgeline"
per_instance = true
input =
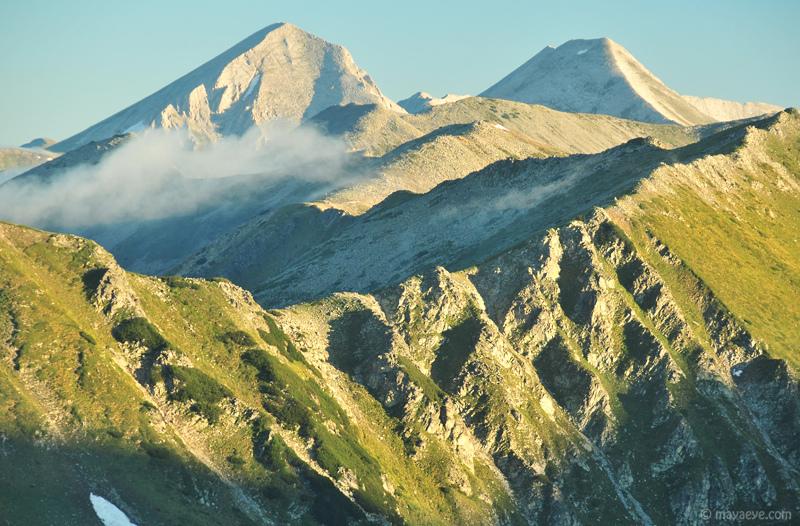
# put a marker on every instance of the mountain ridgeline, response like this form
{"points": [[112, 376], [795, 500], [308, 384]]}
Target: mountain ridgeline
{"points": [[507, 314]]}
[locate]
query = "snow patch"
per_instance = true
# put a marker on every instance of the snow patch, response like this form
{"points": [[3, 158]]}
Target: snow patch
{"points": [[500, 127], [582, 51], [108, 514], [547, 404], [252, 86]]}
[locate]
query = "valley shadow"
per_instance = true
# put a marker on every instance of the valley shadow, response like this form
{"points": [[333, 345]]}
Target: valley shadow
{"points": [[91, 280], [154, 484], [569, 384], [458, 344], [357, 339], [50, 484], [276, 242], [337, 120]]}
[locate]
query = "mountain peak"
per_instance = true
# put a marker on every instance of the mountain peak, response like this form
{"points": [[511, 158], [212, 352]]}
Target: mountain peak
{"points": [[284, 29], [595, 76], [600, 43], [598, 40], [278, 72], [422, 101]]}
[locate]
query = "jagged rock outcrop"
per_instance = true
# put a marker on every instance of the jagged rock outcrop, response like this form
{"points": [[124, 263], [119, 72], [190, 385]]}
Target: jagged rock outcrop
{"points": [[581, 377], [594, 364], [181, 399]]}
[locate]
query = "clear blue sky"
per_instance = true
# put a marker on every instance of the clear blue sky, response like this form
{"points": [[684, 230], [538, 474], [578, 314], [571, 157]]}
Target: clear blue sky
{"points": [[66, 65]]}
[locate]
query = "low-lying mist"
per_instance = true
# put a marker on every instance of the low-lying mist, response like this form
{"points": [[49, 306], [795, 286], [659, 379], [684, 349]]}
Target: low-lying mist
{"points": [[162, 173], [7, 175]]}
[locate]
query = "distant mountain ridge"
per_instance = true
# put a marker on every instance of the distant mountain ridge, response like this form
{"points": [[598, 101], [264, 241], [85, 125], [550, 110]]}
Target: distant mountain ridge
{"points": [[39, 142], [283, 72], [280, 72], [420, 101], [13, 161], [601, 76], [728, 110]]}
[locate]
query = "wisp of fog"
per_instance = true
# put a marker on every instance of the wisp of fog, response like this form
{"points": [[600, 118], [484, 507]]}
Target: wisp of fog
{"points": [[162, 173]]}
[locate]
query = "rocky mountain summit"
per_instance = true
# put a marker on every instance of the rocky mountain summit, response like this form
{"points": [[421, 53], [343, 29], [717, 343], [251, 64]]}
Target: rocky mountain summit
{"points": [[278, 72]]}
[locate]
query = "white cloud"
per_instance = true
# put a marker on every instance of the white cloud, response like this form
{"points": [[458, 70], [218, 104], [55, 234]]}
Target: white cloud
{"points": [[154, 176]]}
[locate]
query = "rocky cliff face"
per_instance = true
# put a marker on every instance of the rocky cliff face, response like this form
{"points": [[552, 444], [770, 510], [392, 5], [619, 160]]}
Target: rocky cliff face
{"points": [[573, 365], [610, 368]]}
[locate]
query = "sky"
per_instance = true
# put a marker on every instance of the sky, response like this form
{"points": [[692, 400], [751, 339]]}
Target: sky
{"points": [[67, 65]]}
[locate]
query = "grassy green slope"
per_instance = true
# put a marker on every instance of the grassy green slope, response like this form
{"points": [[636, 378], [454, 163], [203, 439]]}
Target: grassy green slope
{"points": [[734, 223], [183, 402], [72, 420]]}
